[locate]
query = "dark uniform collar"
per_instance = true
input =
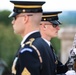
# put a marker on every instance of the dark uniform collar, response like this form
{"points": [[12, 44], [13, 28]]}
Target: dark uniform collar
{"points": [[34, 34]]}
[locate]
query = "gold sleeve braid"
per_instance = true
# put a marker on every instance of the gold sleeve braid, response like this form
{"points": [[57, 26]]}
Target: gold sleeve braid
{"points": [[37, 53]]}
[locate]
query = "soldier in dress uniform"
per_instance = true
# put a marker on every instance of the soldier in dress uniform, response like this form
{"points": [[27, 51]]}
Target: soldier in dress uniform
{"points": [[49, 28], [26, 20]]}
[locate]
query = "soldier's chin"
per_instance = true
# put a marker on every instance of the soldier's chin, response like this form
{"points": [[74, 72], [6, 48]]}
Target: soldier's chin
{"points": [[15, 32], [54, 36]]}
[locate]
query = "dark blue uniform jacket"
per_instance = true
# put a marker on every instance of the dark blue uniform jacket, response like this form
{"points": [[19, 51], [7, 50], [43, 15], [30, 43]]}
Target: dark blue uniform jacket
{"points": [[28, 62]]}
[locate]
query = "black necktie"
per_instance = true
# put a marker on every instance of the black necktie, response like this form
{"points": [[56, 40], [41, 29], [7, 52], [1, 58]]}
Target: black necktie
{"points": [[55, 57]]}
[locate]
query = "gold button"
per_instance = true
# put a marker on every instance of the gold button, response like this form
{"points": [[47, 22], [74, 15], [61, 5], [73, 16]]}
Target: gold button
{"points": [[44, 19], [23, 10]]}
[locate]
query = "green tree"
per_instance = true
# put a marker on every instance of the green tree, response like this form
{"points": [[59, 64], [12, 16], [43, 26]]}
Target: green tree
{"points": [[56, 45], [4, 17]]}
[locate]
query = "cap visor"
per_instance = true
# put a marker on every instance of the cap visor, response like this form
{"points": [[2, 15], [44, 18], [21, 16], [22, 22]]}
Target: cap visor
{"points": [[13, 14], [56, 22]]}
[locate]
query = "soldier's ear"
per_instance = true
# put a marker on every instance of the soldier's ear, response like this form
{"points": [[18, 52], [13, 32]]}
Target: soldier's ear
{"points": [[26, 18], [45, 26]]}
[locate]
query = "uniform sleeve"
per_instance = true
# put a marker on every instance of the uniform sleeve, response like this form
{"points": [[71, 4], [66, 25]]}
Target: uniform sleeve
{"points": [[61, 68], [29, 62]]}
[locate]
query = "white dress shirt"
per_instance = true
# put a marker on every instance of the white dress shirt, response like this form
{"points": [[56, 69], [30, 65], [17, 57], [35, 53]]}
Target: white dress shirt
{"points": [[48, 42]]}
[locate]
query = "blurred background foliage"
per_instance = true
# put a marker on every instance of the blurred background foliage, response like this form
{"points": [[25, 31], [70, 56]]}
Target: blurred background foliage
{"points": [[9, 42], [4, 18]]}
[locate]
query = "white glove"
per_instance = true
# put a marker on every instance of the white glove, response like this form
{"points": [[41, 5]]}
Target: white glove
{"points": [[70, 72], [73, 51]]}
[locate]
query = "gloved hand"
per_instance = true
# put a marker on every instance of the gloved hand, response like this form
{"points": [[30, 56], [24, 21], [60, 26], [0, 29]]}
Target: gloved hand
{"points": [[71, 63], [73, 52], [70, 72]]}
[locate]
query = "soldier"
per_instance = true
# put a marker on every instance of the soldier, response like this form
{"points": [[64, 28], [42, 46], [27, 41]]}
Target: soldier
{"points": [[26, 20], [49, 28]]}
